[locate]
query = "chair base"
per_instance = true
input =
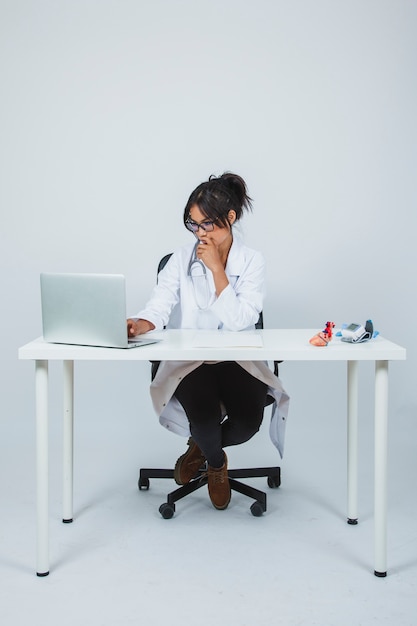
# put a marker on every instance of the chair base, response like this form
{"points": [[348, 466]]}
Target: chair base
{"points": [[167, 509]]}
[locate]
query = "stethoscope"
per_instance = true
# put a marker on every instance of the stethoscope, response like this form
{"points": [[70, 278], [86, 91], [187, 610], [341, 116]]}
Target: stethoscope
{"points": [[197, 271]]}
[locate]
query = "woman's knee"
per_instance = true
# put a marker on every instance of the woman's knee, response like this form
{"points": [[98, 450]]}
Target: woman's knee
{"points": [[235, 433]]}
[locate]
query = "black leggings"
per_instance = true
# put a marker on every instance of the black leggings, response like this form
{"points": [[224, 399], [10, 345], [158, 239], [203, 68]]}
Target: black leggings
{"points": [[202, 392]]}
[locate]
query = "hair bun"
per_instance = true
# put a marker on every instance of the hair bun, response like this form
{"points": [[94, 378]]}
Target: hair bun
{"points": [[219, 195]]}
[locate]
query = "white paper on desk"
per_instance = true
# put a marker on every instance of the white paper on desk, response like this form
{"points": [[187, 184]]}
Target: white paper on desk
{"points": [[227, 339]]}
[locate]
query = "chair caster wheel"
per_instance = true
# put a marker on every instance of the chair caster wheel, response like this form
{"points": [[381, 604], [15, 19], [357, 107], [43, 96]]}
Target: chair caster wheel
{"points": [[167, 510], [143, 483], [274, 482], [257, 509]]}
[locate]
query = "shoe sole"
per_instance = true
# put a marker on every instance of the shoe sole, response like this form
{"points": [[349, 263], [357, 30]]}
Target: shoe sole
{"points": [[177, 470]]}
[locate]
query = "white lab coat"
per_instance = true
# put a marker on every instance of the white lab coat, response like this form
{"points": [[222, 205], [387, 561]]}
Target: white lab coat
{"points": [[173, 305]]}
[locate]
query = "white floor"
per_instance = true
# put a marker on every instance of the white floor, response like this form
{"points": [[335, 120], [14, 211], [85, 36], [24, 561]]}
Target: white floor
{"points": [[120, 563]]}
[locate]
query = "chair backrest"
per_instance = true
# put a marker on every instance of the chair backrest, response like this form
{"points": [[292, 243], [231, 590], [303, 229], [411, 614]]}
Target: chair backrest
{"points": [[163, 262], [260, 322]]}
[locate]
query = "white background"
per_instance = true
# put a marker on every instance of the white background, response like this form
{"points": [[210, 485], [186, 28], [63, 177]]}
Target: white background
{"points": [[112, 112]]}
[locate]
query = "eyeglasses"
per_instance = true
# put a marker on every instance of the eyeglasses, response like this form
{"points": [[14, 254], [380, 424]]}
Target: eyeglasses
{"points": [[207, 226]]}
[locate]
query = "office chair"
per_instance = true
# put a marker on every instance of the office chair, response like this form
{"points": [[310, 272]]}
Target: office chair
{"points": [[273, 474]]}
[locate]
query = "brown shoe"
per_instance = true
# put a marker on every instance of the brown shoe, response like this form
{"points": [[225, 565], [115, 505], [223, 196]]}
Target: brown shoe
{"points": [[218, 486], [189, 463]]}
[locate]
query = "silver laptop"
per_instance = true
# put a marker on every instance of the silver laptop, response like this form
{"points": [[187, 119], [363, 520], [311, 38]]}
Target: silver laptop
{"points": [[87, 310]]}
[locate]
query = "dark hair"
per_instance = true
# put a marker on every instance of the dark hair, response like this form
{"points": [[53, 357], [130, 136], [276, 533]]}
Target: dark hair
{"points": [[219, 195]]}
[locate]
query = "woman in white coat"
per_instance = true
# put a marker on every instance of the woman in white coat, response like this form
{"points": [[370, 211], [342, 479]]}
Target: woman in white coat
{"points": [[216, 282]]}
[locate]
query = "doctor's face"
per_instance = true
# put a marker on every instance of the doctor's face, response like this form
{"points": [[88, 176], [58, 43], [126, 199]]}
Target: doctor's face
{"points": [[219, 234]]}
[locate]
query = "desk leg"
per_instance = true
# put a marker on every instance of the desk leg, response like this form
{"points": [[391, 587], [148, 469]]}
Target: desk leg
{"points": [[42, 504], [352, 443], [381, 471], [68, 443]]}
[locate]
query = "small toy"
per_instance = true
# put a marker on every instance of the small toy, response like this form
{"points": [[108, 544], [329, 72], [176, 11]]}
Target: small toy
{"points": [[324, 337]]}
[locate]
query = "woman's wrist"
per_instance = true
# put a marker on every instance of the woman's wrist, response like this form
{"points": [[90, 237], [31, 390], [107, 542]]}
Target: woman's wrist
{"points": [[139, 327], [144, 326], [220, 281]]}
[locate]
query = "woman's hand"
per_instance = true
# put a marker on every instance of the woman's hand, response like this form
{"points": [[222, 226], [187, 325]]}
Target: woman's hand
{"points": [[138, 327], [208, 252]]}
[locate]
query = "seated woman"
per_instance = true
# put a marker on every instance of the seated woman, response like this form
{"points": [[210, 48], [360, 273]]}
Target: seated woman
{"points": [[213, 283]]}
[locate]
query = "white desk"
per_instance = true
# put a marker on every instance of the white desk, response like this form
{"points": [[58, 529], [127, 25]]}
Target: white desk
{"points": [[285, 345]]}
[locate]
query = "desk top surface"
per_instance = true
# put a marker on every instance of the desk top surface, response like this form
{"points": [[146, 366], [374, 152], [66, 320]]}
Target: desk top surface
{"points": [[183, 345]]}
